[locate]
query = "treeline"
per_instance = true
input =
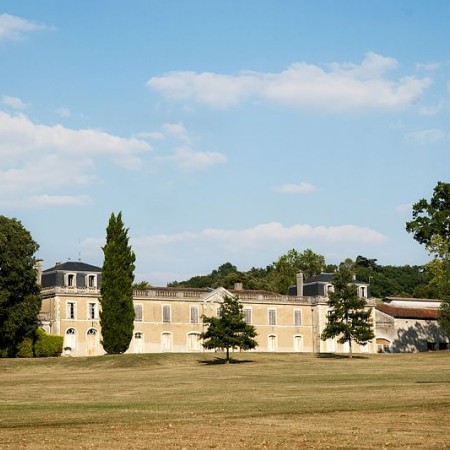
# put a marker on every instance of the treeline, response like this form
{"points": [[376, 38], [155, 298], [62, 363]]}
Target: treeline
{"points": [[384, 281]]}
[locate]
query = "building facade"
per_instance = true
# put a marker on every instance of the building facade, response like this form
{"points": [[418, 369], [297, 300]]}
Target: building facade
{"points": [[170, 319], [409, 325]]}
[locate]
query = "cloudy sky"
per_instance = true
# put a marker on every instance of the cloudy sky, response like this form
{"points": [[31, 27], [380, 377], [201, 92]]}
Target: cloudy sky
{"points": [[223, 130]]}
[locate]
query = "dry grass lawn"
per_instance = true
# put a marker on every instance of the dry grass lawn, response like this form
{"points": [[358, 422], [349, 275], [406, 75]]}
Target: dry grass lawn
{"points": [[190, 401]]}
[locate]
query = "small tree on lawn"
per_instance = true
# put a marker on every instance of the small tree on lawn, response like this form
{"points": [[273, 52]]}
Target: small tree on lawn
{"points": [[117, 314], [348, 317], [229, 330]]}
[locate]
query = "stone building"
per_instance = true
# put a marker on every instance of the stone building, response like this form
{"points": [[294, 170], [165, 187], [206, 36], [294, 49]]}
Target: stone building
{"points": [[170, 319], [409, 325]]}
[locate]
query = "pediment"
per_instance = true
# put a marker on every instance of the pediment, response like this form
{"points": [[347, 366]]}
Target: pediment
{"points": [[216, 296]]}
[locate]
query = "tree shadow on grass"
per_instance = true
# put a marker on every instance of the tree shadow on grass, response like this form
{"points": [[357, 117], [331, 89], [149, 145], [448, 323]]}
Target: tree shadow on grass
{"points": [[339, 356], [217, 361]]}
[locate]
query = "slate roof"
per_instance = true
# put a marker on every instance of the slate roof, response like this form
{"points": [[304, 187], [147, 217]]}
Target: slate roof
{"points": [[409, 313], [73, 266], [323, 277]]}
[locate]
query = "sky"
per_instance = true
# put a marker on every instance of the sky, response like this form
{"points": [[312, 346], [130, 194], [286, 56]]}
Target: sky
{"points": [[224, 131]]}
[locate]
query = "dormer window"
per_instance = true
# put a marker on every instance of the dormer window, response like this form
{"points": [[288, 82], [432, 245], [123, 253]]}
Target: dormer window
{"points": [[70, 280], [91, 280]]}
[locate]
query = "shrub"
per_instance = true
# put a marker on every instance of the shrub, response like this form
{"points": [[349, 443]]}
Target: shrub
{"points": [[25, 348], [47, 344]]}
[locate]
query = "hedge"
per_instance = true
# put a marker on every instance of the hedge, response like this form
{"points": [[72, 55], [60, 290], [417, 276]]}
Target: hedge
{"points": [[47, 344]]}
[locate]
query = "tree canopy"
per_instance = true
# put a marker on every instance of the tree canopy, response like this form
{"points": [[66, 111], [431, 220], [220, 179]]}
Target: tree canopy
{"points": [[348, 318], [431, 226], [229, 330], [431, 221], [19, 293], [117, 313]]}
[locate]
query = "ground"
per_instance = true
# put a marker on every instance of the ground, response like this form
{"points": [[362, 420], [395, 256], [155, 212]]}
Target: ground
{"points": [[193, 401]]}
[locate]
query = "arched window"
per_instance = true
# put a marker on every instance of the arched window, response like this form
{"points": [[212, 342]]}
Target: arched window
{"points": [[272, 343], [91, 332], [70, 280], [166, 342], [193, 342], [91, 280], [298, 343], [70, 339]]}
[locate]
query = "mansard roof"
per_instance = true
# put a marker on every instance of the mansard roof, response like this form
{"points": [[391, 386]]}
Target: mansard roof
{"points": [[323, 277], [73, 266]]}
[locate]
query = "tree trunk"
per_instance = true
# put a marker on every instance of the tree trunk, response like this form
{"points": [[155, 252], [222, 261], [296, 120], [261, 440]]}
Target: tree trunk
{"points": [[227, 360], [350, 347]]}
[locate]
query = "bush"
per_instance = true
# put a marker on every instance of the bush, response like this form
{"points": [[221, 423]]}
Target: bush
{"points": [[25, 348], [47, 344]]}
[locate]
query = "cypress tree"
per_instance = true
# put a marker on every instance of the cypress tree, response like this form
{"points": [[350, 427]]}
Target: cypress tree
{"points": [[117, 310]]}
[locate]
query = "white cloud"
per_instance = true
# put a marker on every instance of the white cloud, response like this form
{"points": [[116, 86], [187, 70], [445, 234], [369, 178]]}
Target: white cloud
{"points": [[301, 188], [167, 257], [13, 28], [403, 208], [39, 158], [151, 135], [178, 130], [13, 102], [63, 112], [189, 160], [341, 87], [429, 67], [431, 136]]}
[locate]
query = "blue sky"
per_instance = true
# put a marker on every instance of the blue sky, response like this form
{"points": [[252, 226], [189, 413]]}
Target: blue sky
{"points": [[223, 130]]}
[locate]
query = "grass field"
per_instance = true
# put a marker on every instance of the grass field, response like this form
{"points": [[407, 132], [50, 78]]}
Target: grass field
{"points": [[192, 401]]}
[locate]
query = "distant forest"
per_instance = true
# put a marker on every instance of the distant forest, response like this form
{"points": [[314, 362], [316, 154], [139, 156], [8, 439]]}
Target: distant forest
{"points": [[384, 281]]}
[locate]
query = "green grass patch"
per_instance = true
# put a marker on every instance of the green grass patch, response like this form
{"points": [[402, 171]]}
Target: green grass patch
{"points": [[195, 401]]}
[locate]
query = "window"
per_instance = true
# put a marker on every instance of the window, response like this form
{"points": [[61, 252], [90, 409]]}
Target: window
{"points": [[70, 280], [91, 332], [248, 315], [70, 340], [166, 313], [298, 343], [92, 311], [272, 316], [363, 291], [193, 342], [272, 343], [70, 314], [138, 313], [91, 281], [138, 342], [166, 342], [297, 317], [194, 314], [219, 312]]}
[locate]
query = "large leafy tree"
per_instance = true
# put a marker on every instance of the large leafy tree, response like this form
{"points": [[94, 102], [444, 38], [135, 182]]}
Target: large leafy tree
{"points": [[287, 266], [431, 221], [431, 227], [117, 313], [20, 301], [229, 330], [349, 318]]}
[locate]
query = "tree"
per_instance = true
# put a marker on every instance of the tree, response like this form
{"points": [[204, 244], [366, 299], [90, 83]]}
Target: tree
{"points": [[431, 221], [348, 318], [229, 330], [117, 314], [431, 227], [20, 301], [287, 266]]}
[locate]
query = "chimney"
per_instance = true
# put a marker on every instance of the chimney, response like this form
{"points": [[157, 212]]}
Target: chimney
{"points": [[38, 268], [238, 286], [300, 284]]}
